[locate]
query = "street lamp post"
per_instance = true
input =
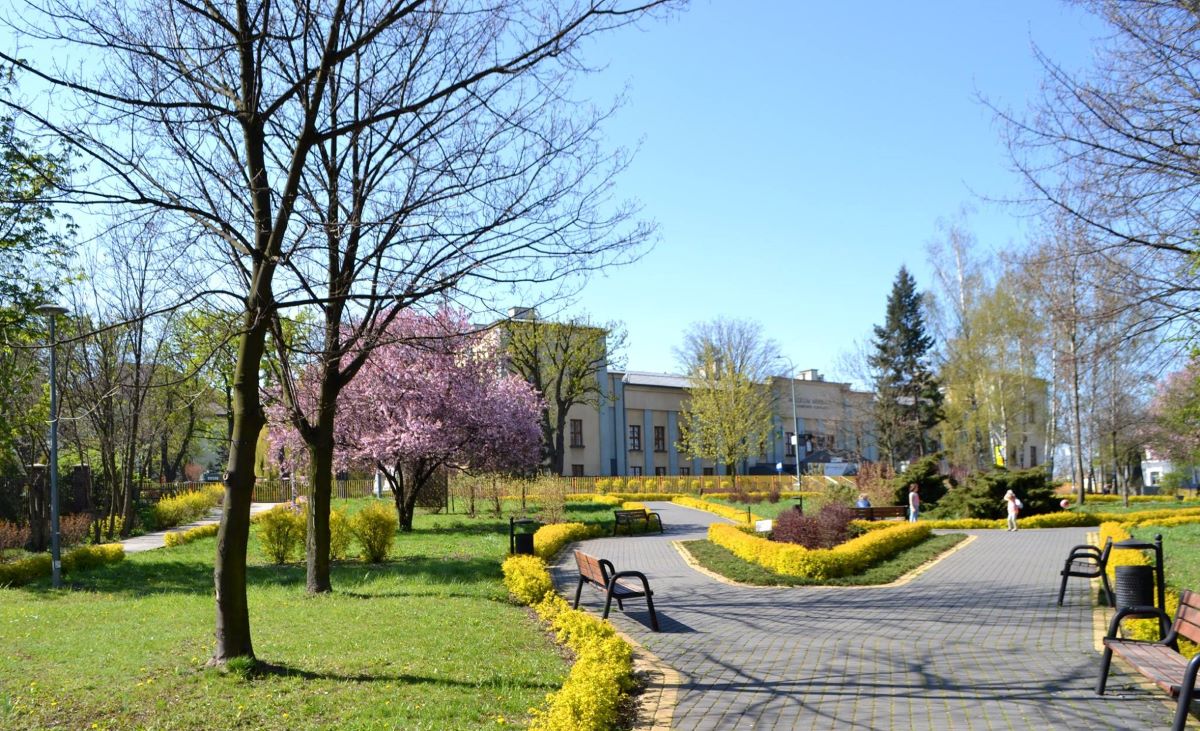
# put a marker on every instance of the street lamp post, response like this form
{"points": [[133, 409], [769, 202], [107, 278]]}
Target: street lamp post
{"points": [[51, 312], [795, 418]]}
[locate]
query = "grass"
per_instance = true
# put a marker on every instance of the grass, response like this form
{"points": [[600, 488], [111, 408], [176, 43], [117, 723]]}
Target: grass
{"points": [[721, 561], [1181, 552], [1116, 507], [764, 509], [426, 640]]}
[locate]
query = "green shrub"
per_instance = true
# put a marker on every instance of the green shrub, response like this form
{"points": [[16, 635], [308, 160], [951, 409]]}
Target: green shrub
{"points": [[375, 527], [925, 472], [982, 495], [340, 535], [17, 573], [281, 532]]}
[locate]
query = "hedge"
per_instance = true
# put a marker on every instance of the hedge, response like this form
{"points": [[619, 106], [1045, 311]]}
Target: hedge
{"points": [[17, 573], [186, 507], [603, 671], [725, 511], [848, 558], [178, 538], [1072, 519], [549, 539]]}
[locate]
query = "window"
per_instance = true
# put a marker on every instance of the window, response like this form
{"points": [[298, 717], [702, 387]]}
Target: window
{"points": [[1155, 477], [635, 438], [636, 471], [685, 471], [576, 470], [1032, 456], [708, 471], [790, 441], [660, 439], [660, 471], [576, 432]]}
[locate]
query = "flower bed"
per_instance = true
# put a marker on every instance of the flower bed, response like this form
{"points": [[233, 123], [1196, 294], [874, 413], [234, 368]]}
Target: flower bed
{"points": [[603, 671], [848, 558]]}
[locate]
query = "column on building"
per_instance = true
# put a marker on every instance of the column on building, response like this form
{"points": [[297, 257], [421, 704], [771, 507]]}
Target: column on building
{"points": [[647, 442], [672, 451], [605, 465], [621, 436]]}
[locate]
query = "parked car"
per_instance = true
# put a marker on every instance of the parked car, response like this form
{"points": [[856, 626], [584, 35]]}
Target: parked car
{"points": [[211, 476]]}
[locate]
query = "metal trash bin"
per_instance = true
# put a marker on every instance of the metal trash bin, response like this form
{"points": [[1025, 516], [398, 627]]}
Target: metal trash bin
{"points": [[1135, 586], [520, 535]]}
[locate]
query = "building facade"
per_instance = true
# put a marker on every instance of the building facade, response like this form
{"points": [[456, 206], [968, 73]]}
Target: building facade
{"points": [[635, 429]]}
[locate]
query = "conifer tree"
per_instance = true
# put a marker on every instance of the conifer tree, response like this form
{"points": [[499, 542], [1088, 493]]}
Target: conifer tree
{"points": [[908, 402]]}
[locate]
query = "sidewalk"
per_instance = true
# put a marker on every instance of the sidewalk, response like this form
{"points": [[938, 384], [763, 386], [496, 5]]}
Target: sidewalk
{"points": [[157, 539], [975, 642]]}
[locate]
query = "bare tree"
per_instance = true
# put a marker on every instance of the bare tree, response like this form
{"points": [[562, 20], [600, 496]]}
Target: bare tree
{"points": [[254, 131]]}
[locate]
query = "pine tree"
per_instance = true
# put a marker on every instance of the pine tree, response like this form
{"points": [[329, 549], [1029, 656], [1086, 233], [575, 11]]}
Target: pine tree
{"points": [[908, 401]]}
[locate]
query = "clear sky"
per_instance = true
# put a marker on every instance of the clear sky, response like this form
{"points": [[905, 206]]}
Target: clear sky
{"points": [[796, 154]]}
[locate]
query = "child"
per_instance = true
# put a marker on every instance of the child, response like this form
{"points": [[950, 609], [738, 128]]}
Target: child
{"points": [[1014, 508]]}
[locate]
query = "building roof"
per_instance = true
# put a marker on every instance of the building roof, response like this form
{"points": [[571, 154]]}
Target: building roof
{"points": [[645, 378]]}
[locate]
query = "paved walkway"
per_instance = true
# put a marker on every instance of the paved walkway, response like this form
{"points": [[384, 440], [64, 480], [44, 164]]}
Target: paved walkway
{"points": [[975, 642], [157, 539]]}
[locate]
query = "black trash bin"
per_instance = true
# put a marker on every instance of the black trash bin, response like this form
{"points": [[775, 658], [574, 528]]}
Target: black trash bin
{"points": [[520, 535], [1135, 586]]}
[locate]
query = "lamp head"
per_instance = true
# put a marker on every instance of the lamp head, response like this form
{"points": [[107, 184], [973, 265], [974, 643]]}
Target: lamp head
{"points": [[50, 309]]}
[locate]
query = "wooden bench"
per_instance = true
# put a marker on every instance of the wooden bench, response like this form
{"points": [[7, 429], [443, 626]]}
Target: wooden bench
{"points": [[600, 573], [1089, 562], [880, 513], [627, 517], [1160, 661]]}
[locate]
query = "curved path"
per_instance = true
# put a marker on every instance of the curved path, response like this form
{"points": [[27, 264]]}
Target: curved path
{"points": [[974, 642]]}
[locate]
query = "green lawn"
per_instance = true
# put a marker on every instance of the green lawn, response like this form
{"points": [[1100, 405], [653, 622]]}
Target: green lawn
{"points": [[721, 561], [1181, 552], [764, 509], [427, 640], [1117, 507]]}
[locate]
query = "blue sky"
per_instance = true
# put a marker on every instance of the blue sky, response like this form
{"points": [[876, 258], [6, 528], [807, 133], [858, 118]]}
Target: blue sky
{"points": [[796, 154]]}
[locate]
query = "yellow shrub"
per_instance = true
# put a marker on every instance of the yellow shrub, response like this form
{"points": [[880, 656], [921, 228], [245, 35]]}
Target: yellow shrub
{"points": [[549, 539], [848, 558], [964, 523], [633, 505], [281, 533], [17, 573], [187, 507], [584, 497], [527, 579], [178, 538], [725, 511], [340, 534], [375, 527]]}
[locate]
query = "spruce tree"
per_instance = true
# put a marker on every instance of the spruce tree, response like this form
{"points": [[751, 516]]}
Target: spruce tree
{"points": [[908, 401]]}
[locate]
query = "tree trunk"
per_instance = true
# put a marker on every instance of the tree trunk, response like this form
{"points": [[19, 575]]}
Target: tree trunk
{"points": [[229, 568], [320, 477]]}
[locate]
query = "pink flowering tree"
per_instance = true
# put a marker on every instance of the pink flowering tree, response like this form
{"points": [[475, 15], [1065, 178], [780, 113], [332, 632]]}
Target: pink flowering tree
{"points": [[1175, 416], [433, 396]]}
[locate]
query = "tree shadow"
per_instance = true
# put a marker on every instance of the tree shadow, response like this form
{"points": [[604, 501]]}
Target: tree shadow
{"points": [[264, 669]]}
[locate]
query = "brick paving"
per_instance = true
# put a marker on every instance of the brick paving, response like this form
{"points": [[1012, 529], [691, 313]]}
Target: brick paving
{"points": [[975, 642]]}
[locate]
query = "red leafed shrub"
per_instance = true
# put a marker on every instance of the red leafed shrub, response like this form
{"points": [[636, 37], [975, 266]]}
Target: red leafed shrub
{"points": [[12, 536], [824, 529], [73, 529]]}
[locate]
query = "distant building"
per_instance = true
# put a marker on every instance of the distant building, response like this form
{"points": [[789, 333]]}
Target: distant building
{"points": [[636, 429]]}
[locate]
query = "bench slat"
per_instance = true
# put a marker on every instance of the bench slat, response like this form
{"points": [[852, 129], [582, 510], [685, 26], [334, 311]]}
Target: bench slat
{"points": [[1159, 663], [1187, 618]]}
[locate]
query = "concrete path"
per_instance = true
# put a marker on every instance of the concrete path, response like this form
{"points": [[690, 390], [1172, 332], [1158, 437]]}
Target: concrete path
{"points": [[975, 642], [157, 539]]}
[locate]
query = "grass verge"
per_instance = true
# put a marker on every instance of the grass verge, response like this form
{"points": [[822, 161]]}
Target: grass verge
{"points": [[721, 561], [425, 640], [1181, 551]]}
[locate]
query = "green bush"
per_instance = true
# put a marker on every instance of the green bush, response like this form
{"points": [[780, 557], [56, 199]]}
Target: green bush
{"points": [[925, 472], [186, 507], [281, 532], [375, 527], [982, 495], [16, 573], [340, 535]]}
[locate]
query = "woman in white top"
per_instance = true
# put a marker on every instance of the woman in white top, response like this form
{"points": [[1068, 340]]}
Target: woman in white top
{"points": [[914, 503], [1014, 508]]}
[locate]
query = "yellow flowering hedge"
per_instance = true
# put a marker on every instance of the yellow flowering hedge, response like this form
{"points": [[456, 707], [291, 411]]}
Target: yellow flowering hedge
{"points": [[584, 497], [17, 573], [186, 507], [758, 495], [549, 539], [1132, 498], [527, 578], [603, 671], [848, 558], [725, 511], [633, 505], [178, 538], [1071, 519]]}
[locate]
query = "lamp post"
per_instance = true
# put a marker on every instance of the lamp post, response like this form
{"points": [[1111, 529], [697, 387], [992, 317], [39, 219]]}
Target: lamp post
{"points": [[795, 419], [51, 312]]}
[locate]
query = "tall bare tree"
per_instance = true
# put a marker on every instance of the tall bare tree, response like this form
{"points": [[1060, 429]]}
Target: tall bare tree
{"points": [[241, 125]]}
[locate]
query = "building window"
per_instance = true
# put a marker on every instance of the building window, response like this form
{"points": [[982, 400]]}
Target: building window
{"points": [[789, 440], [660, 439], [636, 471], [1032, 455], [1155, 477], [576, 432], [660, 471], [635, 437], [708, 471], [576, 470], [685, 471]]}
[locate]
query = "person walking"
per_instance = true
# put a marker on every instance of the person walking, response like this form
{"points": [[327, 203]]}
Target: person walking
{"points": [[1014, 509], [914, 503]]}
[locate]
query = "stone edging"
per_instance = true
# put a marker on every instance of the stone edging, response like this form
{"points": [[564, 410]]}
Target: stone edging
{"points": [[906, 578]]}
